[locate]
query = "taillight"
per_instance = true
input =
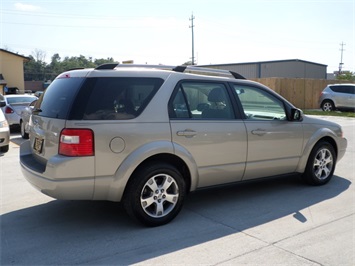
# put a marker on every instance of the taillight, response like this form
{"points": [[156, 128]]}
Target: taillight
{"points": [[8, 110], [76, 142]]}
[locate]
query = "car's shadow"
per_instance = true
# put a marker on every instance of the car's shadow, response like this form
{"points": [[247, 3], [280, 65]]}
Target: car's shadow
{"points": [[82, 232]]}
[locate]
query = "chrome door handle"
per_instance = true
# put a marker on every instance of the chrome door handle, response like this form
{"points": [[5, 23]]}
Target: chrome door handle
{"points": [[259, 132], [186, 133]]}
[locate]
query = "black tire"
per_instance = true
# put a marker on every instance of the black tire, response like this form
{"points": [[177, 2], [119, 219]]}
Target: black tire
{"points": [[161, 184], [321, 164], [328, 106], [24, 135], [4, 148]]}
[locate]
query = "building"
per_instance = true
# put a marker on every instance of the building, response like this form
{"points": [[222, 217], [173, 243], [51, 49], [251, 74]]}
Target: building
{"points": [[11, 71], [293, 68]]}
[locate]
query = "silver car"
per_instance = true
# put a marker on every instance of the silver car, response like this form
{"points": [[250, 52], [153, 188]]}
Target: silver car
{"points": [[15, 103], [25, 119], [147, 136], [338, 96], [4, 129]]}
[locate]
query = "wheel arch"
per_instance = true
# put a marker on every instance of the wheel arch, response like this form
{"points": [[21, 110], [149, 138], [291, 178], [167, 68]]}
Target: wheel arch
{"points": [[328, 100], [171, 159], [307, 151], [160, 151]]}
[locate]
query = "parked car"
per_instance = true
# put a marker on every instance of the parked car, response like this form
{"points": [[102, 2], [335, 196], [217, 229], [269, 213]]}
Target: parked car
{"points": [[25, 118], [4, 128], [15, 103], [148, 135], [338, 96]]}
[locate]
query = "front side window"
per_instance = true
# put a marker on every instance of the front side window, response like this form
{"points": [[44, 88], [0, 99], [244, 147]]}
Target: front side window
{"points": [[259, 104], [199, 100]]}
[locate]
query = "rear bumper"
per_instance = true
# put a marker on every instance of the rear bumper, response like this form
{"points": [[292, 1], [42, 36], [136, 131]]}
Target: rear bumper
{"points": [[56, 178]]}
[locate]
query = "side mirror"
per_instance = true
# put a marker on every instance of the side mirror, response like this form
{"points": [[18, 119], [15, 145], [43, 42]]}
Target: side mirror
{"points": [[2, 103], [296, 114]]}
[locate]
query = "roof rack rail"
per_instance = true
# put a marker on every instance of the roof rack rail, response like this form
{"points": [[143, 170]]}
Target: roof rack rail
{"points": [[181, 69], [221, 72], [75, 68]]}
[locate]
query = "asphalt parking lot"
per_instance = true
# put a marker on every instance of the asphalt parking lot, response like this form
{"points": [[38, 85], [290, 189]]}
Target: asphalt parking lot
{"points": [[276, 221]]}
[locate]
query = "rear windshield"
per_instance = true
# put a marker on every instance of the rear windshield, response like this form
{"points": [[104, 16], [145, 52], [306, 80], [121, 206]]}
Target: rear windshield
{"points": [[114, 98], [24, 99], [58, 98]]}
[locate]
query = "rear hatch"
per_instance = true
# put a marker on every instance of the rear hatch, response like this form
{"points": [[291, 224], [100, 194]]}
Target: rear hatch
{"points": [[50, 114]]}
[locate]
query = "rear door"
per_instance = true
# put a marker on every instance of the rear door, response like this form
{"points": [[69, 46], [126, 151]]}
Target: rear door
{"points": [[274, 143], [203, 122], [344, 95], [349, 91]]}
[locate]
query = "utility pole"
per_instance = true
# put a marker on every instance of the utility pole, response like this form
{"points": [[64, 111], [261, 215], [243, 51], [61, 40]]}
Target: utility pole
{"points": [[192, 30], [341, 57]]}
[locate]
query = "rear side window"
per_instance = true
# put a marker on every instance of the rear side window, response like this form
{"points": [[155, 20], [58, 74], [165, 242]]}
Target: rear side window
{"points": [[343, 89], [114, 98], [58, 98], [201, 100]]}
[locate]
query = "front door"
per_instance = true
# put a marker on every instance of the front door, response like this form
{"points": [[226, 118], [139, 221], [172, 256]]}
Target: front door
{"points": [[274, 143]]}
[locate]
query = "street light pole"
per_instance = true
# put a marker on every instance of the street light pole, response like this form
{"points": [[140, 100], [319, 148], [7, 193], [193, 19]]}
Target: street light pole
{"points": [[192, 30]]}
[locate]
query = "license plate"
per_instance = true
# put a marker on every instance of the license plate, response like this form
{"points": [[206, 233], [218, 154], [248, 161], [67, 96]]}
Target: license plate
{"points": [[38, 145]]}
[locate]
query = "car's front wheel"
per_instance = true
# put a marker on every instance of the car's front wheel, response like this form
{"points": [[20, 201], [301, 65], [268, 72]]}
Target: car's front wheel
{"points": [[321, 164], [155, 194], [328, 106]]}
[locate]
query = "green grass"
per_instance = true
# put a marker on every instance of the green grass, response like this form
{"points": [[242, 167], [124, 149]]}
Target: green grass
{"points": [[335, 113]]}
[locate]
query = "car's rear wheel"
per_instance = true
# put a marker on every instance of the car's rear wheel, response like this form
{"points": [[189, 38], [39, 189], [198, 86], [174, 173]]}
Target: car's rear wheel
{"points": [[155, 194], [23, 131], [328, 106], [321, 164]]}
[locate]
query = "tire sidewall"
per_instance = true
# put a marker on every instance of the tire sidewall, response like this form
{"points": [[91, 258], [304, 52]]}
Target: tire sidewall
{"points": [[309, 175], [331, 104], [132, 201]]}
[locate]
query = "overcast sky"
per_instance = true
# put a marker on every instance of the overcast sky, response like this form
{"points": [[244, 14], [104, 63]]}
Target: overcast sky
{"points": [[158, 31]]}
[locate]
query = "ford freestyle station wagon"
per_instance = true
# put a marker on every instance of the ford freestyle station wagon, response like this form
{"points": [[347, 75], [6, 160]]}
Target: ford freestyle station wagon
{"points": [[148, 135]]}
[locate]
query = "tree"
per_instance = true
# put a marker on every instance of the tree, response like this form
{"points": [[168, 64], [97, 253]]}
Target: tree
{"points": [[99, 62], [39, 55], [346, 76], [38, 69], [34, 69]]}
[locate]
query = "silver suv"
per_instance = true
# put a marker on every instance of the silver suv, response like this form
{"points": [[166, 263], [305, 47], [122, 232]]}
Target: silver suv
{"points": [[146, 136], [338, 96]]}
